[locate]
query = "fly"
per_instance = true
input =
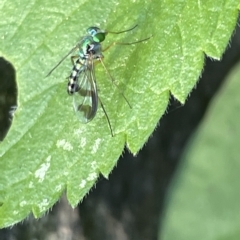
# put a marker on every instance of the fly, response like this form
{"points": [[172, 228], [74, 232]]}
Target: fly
{"points": [[82, 81]]}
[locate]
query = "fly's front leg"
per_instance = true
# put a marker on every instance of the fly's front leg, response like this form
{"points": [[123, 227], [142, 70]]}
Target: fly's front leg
{"points": [[72, 59], [99, 60]]}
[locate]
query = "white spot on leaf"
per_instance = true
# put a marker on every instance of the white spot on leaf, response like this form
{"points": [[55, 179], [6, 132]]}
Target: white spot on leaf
{"points": [[78, 132], [83, 183], [23, 203], [65, 145], [41, 172], [83, 142], [58, 188], [96, 145], [92, 176], [42, 206], [94, 165], [15, 212]]}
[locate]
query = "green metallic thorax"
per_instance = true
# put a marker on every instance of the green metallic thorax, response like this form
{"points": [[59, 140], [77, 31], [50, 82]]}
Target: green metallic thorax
{"points": [[89, 47]]}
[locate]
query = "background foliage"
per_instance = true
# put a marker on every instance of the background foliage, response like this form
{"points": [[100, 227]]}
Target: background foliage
{"points": [[204, 193]]}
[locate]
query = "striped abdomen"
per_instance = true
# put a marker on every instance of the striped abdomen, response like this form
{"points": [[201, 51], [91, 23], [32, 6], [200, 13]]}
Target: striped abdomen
{"points": [[73, 78]]}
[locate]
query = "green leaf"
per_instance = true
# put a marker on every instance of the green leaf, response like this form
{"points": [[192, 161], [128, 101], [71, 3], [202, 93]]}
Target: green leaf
{"points": [[48, 150], [204, 198]]}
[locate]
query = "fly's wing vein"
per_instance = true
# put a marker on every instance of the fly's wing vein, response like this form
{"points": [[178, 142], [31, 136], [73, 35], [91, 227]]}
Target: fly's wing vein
{"points": [[86, 98]]}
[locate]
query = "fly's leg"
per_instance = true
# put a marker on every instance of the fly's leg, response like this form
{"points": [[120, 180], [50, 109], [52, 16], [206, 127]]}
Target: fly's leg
{"points": [[72, 59], [109, 124], [113, 81]]}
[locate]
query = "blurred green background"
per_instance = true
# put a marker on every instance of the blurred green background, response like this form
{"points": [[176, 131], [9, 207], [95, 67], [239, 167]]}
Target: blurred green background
{"points": [[203, 200]]}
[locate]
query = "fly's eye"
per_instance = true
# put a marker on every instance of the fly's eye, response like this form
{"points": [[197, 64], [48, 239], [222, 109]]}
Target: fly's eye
{"points": [[99, 37], [97, 34]]}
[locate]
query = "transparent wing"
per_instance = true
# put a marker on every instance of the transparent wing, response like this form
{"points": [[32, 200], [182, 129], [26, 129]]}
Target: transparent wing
{"points": [[85, 100]]}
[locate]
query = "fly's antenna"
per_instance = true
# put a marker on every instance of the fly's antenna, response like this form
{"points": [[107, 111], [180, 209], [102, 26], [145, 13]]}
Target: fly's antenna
{"points": [[122, 31]]}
